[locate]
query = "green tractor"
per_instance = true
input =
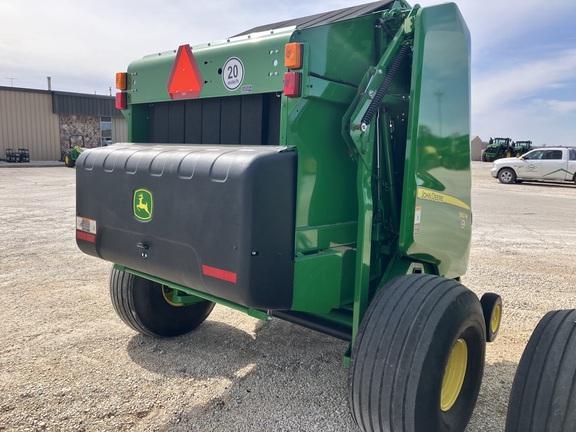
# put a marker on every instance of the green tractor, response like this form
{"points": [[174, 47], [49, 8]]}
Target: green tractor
{"points": [[498, 148], [76, 146], [301, 171], [521, 147]]}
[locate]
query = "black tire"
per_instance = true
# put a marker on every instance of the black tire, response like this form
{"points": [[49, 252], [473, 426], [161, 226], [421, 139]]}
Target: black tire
{"points": [[143, 306], [543, 394], [68, 161], [414, 325], [507, 176], [492, 309]]}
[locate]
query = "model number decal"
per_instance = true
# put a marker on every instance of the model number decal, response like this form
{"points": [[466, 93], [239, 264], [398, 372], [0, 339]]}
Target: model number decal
{"points": [[233, 73]]}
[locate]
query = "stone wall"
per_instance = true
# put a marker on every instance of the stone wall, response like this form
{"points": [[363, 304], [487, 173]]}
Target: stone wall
{"points": [[88, 127]]}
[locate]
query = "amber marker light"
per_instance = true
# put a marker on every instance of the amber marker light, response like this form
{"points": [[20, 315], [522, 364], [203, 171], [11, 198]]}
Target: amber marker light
{"points": [[293, 55], [121, 80]]}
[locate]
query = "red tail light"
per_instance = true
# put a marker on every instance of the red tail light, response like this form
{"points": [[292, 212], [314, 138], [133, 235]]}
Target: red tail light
{"points": [[121, 101], [292, 84]]}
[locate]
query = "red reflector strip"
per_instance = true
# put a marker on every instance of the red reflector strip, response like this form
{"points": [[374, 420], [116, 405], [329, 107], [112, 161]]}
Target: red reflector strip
{"points": [[292, 82], [85, 236], [219, 273], [121, 101]]}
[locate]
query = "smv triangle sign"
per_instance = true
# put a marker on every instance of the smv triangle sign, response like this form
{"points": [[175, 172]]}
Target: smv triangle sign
{"points": [[185, 80]]}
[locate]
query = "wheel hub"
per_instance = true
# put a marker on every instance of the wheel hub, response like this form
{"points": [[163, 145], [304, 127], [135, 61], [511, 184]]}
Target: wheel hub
{"points": [[168, 294], [454, 375], [496, 317]]}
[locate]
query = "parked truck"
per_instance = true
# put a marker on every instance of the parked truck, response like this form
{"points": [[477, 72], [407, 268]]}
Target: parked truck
{"points": [[546, 164], [300, 171]]}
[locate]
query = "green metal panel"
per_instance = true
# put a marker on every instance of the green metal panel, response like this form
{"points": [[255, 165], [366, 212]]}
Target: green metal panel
{"points": [[324, 281], [340, 51], [436, 214], [261, 54], [325, 203], [318, 280], [336, 57], [137, 121]]}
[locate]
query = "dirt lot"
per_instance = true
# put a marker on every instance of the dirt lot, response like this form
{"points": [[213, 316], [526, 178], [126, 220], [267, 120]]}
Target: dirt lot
{"points": [[68, 363]]}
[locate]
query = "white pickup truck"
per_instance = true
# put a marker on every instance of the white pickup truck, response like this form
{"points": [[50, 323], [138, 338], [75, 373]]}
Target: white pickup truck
{"points": [[545, 164]]}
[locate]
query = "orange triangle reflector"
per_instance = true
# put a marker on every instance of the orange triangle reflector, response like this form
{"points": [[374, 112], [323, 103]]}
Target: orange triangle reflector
{"points": [[185, 80]]}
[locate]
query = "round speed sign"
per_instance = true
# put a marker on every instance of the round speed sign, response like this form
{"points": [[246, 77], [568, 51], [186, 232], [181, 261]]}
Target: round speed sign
{"points": [[233, 73]]}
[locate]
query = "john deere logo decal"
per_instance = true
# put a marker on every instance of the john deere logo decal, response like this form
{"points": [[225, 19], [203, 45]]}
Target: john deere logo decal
{"points": [[143, 204]]}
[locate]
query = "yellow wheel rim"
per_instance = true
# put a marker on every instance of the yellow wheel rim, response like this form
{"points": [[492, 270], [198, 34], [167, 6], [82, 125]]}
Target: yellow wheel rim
{"points": [[454, 375], [496, 317], [168, 294]]}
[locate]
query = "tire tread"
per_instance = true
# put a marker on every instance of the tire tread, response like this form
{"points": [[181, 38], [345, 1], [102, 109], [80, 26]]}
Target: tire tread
{"points": [[154, 317], [543, 395], [389, 325]]}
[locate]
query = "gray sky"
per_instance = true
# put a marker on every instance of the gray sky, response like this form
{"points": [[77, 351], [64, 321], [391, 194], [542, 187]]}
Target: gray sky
{"points": [[523, 52]]}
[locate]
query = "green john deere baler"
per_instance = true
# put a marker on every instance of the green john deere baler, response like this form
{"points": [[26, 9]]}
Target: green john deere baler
{"points": [[316, 170]]}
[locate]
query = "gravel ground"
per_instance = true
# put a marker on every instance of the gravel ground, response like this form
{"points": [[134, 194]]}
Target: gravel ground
{"points": [[67, 362]]}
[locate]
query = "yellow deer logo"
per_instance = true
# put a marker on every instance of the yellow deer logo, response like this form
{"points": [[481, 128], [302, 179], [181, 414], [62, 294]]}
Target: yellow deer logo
{"points": [[143, 204]]}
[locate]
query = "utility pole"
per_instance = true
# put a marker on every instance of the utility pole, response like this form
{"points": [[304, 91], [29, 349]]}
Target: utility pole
{"points": [[11, 81]]}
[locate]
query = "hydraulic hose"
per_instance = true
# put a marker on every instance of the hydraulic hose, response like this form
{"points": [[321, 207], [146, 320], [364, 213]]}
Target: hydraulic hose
{"points": [[377, 100]]}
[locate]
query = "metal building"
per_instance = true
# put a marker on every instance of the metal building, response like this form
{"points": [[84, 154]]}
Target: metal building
{"points": [[477, 146], [45, 121]]}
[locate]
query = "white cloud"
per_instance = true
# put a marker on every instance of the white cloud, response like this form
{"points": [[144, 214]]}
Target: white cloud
{"points": [[560, 106], [541, 121], [522, 81]]}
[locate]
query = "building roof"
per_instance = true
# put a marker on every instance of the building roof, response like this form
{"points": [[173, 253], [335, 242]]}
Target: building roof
{"points": [[68, 103], [87, 105]]}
